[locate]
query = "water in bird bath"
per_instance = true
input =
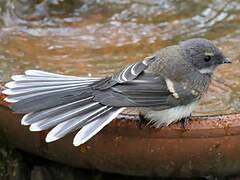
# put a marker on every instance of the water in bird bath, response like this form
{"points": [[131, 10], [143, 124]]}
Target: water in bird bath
{"points": [[98, 38]]}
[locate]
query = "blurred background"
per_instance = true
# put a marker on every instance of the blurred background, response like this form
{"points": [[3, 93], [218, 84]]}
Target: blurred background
{"points": [[100, 37]]}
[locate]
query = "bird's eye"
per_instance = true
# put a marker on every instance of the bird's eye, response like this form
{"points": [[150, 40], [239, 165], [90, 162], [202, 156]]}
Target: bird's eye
{"points": [[207, 58]]}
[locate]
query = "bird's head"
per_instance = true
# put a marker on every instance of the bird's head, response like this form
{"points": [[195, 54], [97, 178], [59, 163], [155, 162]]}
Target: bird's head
{"points": [[203, 55]]}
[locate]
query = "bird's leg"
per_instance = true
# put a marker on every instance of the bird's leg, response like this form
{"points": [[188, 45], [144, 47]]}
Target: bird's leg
{"points": [[185, 121], [141, 121]]}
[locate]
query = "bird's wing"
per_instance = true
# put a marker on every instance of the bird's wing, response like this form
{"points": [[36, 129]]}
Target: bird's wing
{"points": [[146, 90], [142, 91], [138, 86], [132, 86], [126, 75]]}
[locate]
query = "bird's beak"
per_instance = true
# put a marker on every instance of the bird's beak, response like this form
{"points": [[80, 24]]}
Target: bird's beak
{"points": [[226, 60]]}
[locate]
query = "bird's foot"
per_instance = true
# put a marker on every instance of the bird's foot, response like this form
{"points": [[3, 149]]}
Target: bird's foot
{"points": [[141, 121], [185, 122]]}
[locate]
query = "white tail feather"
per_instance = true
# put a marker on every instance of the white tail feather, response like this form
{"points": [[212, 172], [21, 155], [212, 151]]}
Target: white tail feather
{"points": [[60, 131], [66, 118], [22, 96], [42, 124], [45, 78], [33, 117], [14, 84], [48, 74], [15, 91], [93, 128]]}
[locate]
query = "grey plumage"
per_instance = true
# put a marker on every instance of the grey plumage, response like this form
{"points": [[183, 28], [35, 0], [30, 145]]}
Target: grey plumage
{"points": [[164, 87], [54, 112]]}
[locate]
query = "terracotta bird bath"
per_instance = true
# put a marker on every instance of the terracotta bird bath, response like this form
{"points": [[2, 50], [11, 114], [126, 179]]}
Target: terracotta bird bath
{"points": [[209, 146]]}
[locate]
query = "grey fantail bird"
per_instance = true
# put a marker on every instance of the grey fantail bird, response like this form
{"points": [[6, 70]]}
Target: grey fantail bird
{"points": [[165, 88]]}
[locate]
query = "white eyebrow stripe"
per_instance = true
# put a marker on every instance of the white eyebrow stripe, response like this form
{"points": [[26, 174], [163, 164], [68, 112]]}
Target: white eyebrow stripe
{"points": [[208, 54]]}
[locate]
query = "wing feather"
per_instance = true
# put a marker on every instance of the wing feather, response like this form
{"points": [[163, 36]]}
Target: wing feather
{"points": [[126, 75], [146, 90]]}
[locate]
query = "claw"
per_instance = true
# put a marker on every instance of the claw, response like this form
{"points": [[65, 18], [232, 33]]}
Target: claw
{"points": [[141, 121], [185, 122]]}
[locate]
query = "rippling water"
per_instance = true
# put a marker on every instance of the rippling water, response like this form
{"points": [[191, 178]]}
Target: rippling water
{"points": [[98, 38]]}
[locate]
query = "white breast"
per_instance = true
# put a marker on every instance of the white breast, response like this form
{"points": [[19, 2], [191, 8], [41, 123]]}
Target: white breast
{"points": [[166, 117]]}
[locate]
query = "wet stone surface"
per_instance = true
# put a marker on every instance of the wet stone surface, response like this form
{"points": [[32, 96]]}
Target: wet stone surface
{"points": [[18, 165]]}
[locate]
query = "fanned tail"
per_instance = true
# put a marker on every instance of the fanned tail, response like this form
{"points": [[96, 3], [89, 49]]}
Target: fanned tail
{"points": [[64, 103]]}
